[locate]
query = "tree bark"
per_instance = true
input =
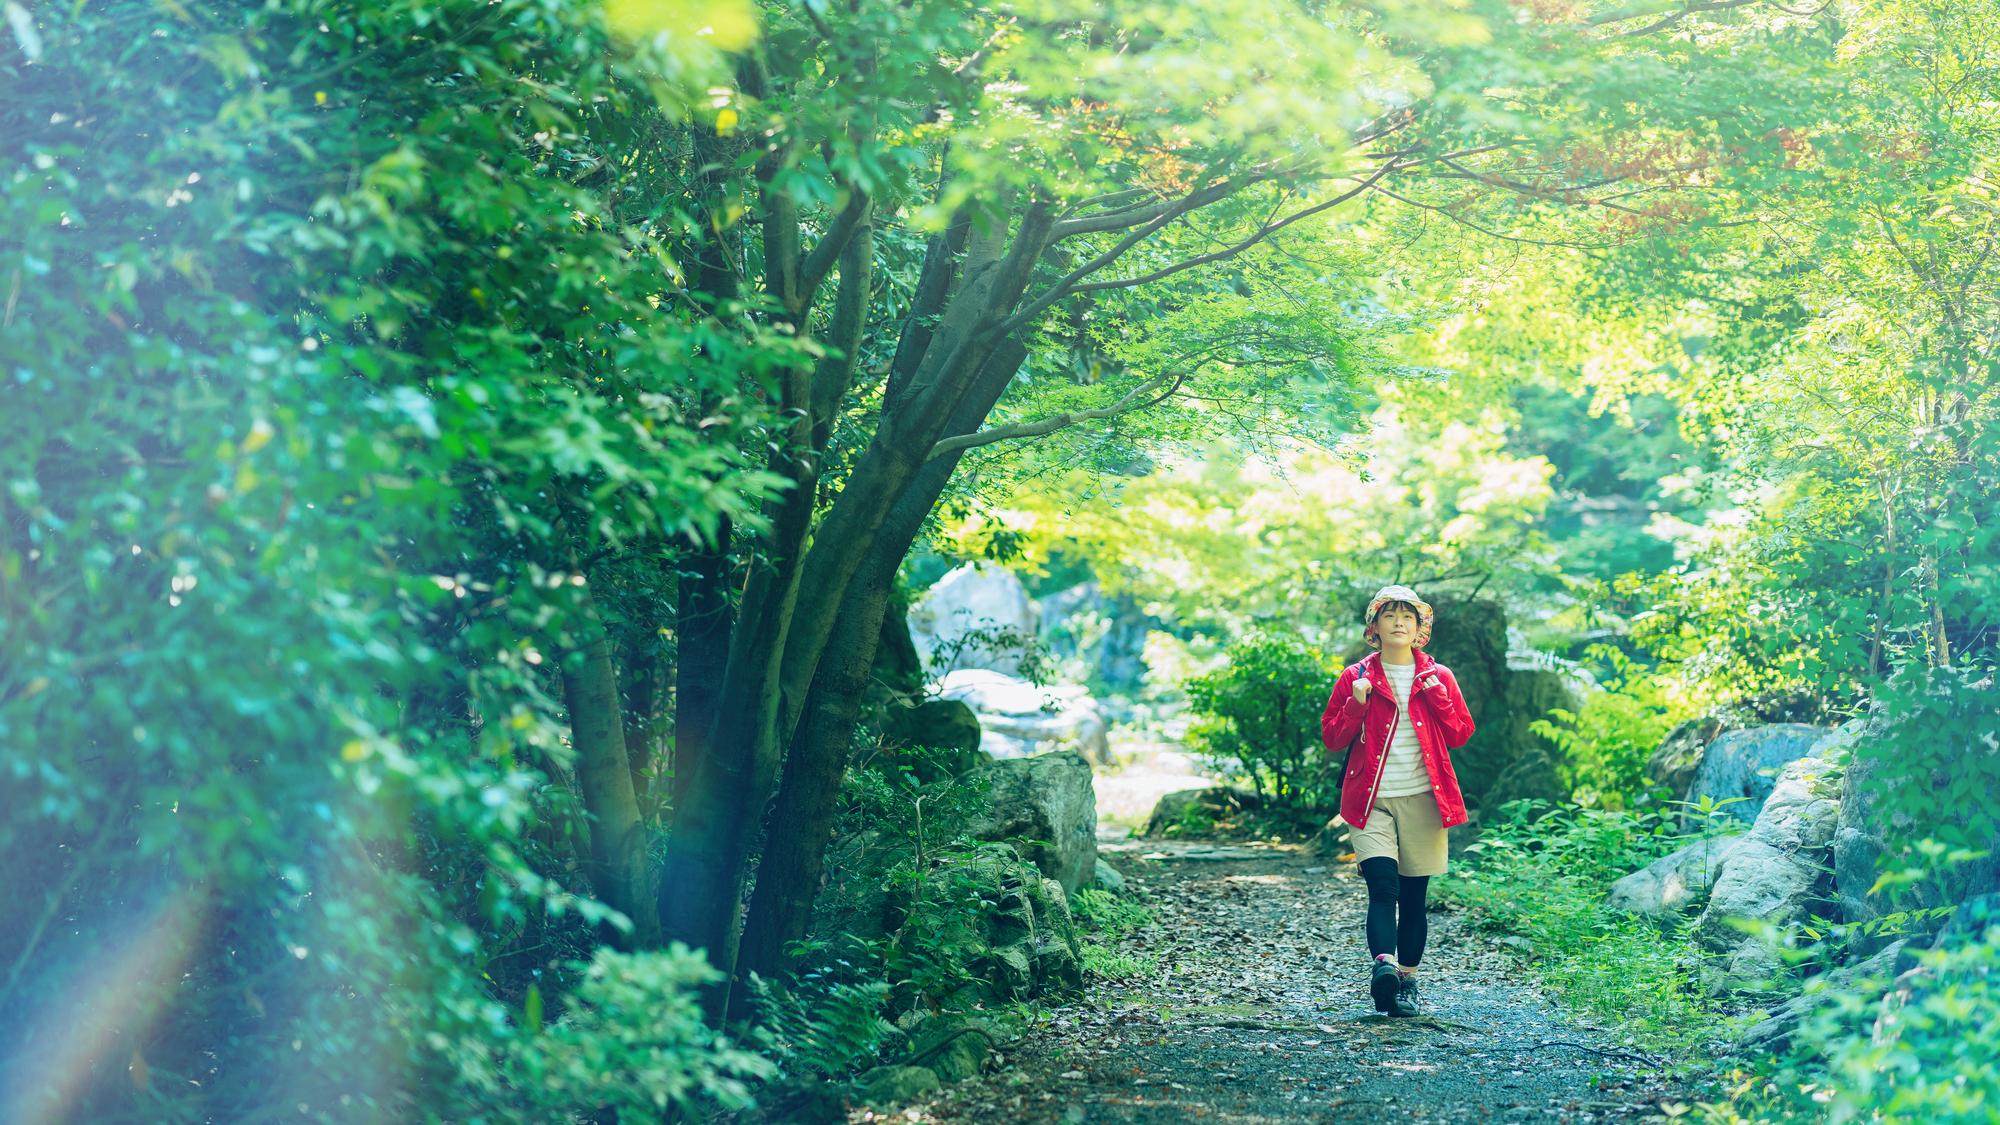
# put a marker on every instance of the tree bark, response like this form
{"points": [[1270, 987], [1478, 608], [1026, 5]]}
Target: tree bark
{"points": [[701, 656], [794, 860], [701, 887], [618, 867], [781, 632]]}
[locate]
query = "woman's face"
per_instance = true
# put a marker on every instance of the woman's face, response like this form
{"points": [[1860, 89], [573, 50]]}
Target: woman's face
{"points": [[1397, 626]]}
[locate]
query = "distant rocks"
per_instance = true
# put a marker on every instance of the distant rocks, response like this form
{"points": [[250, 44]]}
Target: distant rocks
{"points": [[1019, 719], [1215, 803], [976, 616]]}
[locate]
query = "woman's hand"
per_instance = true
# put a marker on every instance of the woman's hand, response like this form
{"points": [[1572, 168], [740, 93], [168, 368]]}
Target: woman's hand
{"points": [[1361, 689], [1432, 681]]}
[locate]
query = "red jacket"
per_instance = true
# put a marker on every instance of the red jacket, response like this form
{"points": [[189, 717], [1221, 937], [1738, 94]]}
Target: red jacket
{"points": [[1442, 725]]}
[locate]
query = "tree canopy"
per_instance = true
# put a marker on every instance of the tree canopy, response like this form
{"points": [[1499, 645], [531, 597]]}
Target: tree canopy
{"points": [[459, 457]]}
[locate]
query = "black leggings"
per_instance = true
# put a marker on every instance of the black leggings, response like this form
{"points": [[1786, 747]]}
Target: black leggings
{"points": [[1399, 932]]}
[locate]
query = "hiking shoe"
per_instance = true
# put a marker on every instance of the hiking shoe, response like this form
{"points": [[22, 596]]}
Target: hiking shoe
{"points": [[1383, 985], [1405, 1002]]}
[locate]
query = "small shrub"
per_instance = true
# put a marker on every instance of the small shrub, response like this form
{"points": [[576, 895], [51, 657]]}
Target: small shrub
{"points": [[822, 1028], [1116, 964], [1606, 741], [1262, 709], [633, 1041], [1106, 913]]}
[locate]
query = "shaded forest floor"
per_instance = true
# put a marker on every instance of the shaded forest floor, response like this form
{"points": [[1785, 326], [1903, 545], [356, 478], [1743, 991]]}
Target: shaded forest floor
{"points": [[1255, 1010]]}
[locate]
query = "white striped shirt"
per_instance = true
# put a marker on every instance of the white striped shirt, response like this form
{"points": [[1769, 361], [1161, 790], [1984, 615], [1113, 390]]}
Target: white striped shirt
{"points": [[1404, 773]]}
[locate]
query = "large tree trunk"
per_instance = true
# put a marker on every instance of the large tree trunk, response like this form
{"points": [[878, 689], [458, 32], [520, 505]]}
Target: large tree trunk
{"points": [[701, 657], [794, 860], [618, 867], [790, 606], [701, 888]]}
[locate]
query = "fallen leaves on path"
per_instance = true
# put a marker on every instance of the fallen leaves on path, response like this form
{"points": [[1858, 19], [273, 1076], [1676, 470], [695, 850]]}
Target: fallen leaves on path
{"points": [[1255, 1011]]}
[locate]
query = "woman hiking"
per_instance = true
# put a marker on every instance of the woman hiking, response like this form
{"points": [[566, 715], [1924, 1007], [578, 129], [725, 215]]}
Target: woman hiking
{"points": [[1398, 714]]}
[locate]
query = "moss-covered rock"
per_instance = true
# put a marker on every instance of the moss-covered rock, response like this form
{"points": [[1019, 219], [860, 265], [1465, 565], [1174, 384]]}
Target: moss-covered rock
{"points": [[954, 1046], [998, 919], [890, 1085]]}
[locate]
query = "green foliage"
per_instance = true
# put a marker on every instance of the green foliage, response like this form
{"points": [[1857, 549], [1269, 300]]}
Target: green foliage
{"points": [[632, 1040], [1111, 919], [1537, 885], [330, 354], [900, 860], [1940, 729], [1262, 709], [822, 1028], [1108, 914], [1606, 742], [1915, 1059]]}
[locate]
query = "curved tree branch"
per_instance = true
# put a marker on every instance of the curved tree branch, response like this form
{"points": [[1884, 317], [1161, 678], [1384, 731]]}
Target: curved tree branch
{"points": [[1061, 421]]}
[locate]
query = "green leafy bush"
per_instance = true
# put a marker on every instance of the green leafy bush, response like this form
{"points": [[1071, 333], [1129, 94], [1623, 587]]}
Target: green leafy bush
{"points": [[1262, 709], [306, 309], [1606, 741], [1110, 918], [633, 1041], [822, 1028], [1925, 1056]]}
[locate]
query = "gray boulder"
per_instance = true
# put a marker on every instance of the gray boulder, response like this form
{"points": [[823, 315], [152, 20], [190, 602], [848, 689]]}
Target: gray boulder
{"points": [[1046, 806], [1674, 762], [1108, 879], [1732, 765], [935, 739], [1774, 874], [982, 598], [1675, 882], [1218, 802], [1759, 883], [954, 1046], [1870, 976]]}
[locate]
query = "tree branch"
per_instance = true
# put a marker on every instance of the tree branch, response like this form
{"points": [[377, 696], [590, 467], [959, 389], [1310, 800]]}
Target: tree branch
{"points": [[1259, 235], [820, 262], [1061, 421]]}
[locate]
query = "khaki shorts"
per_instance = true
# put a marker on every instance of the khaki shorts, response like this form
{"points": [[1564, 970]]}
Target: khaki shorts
{"points": [[1408, 830]]}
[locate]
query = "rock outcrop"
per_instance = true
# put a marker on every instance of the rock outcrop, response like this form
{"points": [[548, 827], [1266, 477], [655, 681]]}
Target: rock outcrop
{"points": [[1019, 719], [1215, 803], [1675, 882], [1531, 777], [935, 739], [1046, 807], [977, 616], [1674, 762], [1871, 976], [1774, 875], [1732, 765]]}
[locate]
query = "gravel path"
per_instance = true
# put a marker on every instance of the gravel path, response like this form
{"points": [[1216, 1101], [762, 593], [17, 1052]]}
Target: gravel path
{"points": [[1258, 1012]]}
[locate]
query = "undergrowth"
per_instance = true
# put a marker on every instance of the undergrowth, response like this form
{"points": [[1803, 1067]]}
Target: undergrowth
{"points": [[1537, 882], [1106, 919]]}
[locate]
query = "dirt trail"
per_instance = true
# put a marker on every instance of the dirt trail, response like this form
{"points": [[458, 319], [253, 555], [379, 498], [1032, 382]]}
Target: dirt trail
{"points": [[1259, 1013]]}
